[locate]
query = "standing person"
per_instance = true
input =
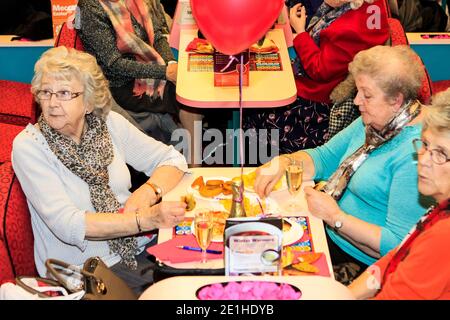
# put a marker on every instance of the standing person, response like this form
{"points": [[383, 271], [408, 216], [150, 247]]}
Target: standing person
{"points": [[420, 267], [72, 168], [128, 38], [371, 198], [339, 30]]}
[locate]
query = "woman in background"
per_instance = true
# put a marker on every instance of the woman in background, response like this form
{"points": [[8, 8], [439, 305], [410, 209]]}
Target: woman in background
{"points": [[339, 30]]}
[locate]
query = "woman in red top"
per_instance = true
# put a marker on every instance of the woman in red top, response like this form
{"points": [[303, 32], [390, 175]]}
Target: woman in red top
{"points": [[339, 30], [420, 267]]}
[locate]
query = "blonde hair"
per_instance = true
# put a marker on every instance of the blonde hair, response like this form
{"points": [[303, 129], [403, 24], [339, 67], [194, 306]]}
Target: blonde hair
{"points": [[63, 63], [437, 116], [394, 69]]}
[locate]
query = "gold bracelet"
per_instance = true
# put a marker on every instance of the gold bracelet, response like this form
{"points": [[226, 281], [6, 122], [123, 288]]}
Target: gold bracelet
{"points": [[138, 220]]}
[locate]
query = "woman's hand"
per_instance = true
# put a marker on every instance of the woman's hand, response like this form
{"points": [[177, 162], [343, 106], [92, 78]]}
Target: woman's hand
{"points": [[165, 214], [297, 18], [322, 205], [141, 198], [268, 175], [171, 72]]}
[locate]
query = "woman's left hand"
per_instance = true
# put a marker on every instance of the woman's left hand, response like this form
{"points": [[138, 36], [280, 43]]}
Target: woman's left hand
{"points": [[141, 198], [297, 18], [322, 205]]}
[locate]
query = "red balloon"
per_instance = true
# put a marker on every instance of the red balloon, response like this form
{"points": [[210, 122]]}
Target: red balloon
{"points": [[234, 25]]}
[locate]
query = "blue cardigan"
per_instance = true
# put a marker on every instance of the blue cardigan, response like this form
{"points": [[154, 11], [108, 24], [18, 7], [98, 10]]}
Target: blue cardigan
{"points": [[383, 191]]}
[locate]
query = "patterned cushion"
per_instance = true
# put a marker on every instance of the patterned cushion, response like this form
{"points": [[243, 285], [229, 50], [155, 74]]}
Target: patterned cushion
{"points": [[69, 38], [15, 220], [17, 105], [425, 92], [7, 133], [6, 269]]}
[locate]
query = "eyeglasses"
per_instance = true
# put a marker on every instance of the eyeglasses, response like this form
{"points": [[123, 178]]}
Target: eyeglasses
{"points": [[437, 156], [63, 95]]}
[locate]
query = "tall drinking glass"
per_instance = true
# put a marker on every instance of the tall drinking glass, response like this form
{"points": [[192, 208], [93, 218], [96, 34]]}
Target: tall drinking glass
{"points": [[294, 179], [203, 221]]}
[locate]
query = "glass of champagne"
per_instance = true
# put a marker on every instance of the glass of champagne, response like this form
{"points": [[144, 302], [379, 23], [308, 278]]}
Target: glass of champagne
{"points": [[294, 179], [203, 221]]}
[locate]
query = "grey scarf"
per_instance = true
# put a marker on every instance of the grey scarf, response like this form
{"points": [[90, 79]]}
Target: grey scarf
{"points": [[90, 160], [337, 183]]}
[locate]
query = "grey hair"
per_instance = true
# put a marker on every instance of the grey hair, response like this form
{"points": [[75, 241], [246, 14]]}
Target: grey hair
{"points": [[394, 69], [356, 4], [437, 115], [63, 63]]}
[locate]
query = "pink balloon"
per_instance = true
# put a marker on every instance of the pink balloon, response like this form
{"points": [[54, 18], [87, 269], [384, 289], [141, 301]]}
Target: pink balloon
{"points": [[234, 25]]}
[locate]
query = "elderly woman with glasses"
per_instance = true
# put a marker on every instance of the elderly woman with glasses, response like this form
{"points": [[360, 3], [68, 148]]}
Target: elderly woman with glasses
{"points": [[420, 267], [72, 166], [370, 199]]}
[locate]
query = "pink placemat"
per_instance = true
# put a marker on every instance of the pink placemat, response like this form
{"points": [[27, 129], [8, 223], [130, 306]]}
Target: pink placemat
{"points": [[168, 252]]}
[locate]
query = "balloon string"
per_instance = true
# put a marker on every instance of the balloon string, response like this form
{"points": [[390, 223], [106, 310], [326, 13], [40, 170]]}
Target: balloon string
{"points": [[241, 142]]}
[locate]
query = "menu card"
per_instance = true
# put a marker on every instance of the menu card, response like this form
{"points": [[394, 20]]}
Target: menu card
{"points": [[253, 246]]}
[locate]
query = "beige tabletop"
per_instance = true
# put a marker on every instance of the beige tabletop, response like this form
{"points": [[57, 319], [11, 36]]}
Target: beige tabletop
{"points": [[312, 288], [416, 38], [278, 198], [266, 88], [5, 41]]}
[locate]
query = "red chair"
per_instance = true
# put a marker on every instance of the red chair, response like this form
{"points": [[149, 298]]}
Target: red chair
{"points": [[69, 38], [17, 242], [7, 133], [441, 85], [398, 37], [17, 105]]}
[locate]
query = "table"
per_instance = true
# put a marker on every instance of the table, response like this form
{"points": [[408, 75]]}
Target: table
{"points": [[434, 52], [312, 288], [17, 58], [266, 88], [316, 225]]}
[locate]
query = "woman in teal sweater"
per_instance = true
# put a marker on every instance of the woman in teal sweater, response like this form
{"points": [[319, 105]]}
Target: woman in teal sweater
{"points": [[370, 200]]}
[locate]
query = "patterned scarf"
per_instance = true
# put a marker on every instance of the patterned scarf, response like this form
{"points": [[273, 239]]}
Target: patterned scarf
{"points": [[325, 15], [426, 222], [90, 160], [119, 12], [337, 183]]}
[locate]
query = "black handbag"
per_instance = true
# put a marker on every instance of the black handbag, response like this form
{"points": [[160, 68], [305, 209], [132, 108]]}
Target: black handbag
{"points": [[95, 278]]}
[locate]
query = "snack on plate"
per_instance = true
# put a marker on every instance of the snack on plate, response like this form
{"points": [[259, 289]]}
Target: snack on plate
{"points": [[189, 200], [305, 267], [249, 181], [219, 219], [200, 46], [211, 188], [268, 46]]}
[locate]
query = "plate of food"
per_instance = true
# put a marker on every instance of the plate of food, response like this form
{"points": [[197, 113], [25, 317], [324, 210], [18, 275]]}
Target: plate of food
{"points": [[219, 219], [249, 182], [211, 188], [253, 205]]}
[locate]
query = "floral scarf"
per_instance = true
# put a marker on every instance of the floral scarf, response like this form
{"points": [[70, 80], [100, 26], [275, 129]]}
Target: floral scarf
{"points": [[119, 12], [337, 183], [90, 160]]}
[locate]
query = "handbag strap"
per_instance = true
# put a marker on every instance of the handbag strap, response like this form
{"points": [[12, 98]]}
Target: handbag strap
{"points": [[23, 285], [51, 263]]}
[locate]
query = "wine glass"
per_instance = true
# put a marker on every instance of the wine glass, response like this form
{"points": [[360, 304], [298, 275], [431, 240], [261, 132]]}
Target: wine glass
{"points": [[294, 179], [203, 221]]}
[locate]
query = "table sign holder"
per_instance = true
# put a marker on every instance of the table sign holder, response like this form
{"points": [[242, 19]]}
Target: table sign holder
{"points": [[226, 69], [253, 246]]}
